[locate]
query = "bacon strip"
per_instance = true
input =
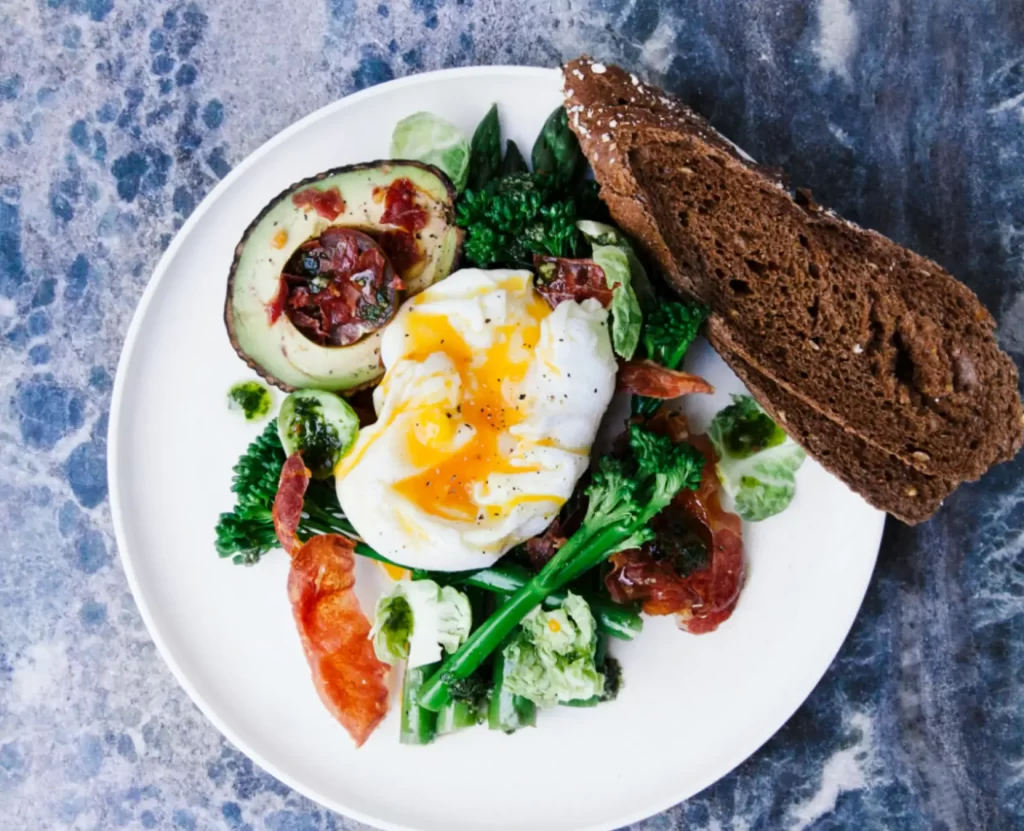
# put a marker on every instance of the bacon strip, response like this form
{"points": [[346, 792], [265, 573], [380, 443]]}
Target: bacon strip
{"points": [[291, 490], [655, 381], [335, 635], [705, 598], [718, 586]]}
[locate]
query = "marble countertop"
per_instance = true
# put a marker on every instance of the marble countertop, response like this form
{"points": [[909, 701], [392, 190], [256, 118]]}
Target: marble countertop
{"points": [[118, 116]]}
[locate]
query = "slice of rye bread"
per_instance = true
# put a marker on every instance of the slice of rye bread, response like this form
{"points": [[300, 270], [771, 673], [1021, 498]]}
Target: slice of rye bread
{"points": [[880, 340], [881, 478]]}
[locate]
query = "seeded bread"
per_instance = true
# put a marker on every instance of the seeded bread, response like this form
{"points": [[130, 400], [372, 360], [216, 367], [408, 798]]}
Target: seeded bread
{"points": [[881, 478], [879, 340]]}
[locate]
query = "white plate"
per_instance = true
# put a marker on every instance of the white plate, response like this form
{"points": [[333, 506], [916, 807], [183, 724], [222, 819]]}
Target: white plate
{"points": [[692, 707]]}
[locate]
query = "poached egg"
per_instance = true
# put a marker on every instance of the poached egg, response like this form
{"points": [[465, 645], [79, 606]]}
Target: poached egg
{"points": [[486, 415]]}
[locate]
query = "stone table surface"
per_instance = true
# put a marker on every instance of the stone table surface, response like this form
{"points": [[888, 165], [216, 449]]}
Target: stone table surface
{"points": [[118, 116]]}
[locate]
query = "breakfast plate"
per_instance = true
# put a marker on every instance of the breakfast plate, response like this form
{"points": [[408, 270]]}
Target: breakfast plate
{"points": [[692, 707]]}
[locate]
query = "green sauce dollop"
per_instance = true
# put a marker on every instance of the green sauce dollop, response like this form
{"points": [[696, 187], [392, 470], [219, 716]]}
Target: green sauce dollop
{"points": [[252, 398]]}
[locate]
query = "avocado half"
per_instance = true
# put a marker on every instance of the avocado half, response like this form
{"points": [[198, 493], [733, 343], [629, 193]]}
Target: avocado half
{"points": [[418, 236]]}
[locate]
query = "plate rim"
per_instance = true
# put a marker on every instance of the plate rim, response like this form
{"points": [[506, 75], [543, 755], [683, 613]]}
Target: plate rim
{"points": [[114, 460]]}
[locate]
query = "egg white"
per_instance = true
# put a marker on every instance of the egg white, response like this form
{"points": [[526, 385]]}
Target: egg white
{"points": [[489, 387]]}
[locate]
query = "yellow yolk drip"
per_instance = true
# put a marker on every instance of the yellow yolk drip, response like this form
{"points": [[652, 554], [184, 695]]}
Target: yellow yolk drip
{"points": [[395, 572], [446, 486]]}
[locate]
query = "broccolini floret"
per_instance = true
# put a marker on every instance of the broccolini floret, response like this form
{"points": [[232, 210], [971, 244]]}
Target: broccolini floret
{"points": [[247, 533], [515, 217]]}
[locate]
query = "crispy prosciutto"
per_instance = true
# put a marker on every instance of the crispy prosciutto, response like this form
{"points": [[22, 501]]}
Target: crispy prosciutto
{"points": [[287, 511], [694, 566], [400, 206], [327, 203], [337, 287], [335, 635], [543, 548], [655, 381], [564, 279]]}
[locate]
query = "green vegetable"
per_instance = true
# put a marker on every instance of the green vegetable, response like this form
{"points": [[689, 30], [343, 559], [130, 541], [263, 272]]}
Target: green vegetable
{"points": [[485, 151], [428, 138], [600, 233], [514, 218], [610, 669], [627, 319], [556, 152], [612, 618], [507, 711], [670, 328], [552, 659], [416, 619], [756, 459], [252, 398], [513, 161], [418, 725], [458, 715], [624, 495], [320, 425]]}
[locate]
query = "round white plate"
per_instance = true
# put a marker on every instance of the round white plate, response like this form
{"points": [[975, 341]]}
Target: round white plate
{"points": [[692, 707]]}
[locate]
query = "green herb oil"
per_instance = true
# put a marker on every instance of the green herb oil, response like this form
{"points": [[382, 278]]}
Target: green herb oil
{"points": [[251, 398]]}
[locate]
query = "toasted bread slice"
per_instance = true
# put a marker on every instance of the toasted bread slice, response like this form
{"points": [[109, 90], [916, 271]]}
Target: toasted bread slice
{"points": [[883, 342]]}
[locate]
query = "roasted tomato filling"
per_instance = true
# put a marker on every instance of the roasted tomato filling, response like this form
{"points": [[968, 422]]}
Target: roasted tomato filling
{"points": [[338, 287]]}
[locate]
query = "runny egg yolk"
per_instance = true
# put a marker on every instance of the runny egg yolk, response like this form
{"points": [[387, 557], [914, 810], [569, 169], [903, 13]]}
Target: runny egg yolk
{"points": [[445, 487]]}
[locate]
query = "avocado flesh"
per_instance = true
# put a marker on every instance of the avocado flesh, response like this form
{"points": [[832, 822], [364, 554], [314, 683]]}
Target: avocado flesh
{"points": [[279, 351]]}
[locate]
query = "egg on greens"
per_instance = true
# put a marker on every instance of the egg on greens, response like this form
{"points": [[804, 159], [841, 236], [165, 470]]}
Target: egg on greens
{"points": [[485, 418]]}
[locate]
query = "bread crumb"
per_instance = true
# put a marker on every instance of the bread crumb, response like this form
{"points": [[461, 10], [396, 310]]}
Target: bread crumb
{"points": [[599, 68], [857, 349], [911, 491], [921, 456]]}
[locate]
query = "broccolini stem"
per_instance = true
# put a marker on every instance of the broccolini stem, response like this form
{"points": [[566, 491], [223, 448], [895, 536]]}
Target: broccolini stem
{"points": [[612, 619], [580, 550]]}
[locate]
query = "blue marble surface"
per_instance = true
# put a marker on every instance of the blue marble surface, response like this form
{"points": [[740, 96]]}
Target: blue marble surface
{"points": [[118, 116]]}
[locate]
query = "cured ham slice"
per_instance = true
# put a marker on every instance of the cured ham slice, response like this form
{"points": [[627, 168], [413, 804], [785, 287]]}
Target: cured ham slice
{"points": [[287, 511], [655, 381], [348, 676]]}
